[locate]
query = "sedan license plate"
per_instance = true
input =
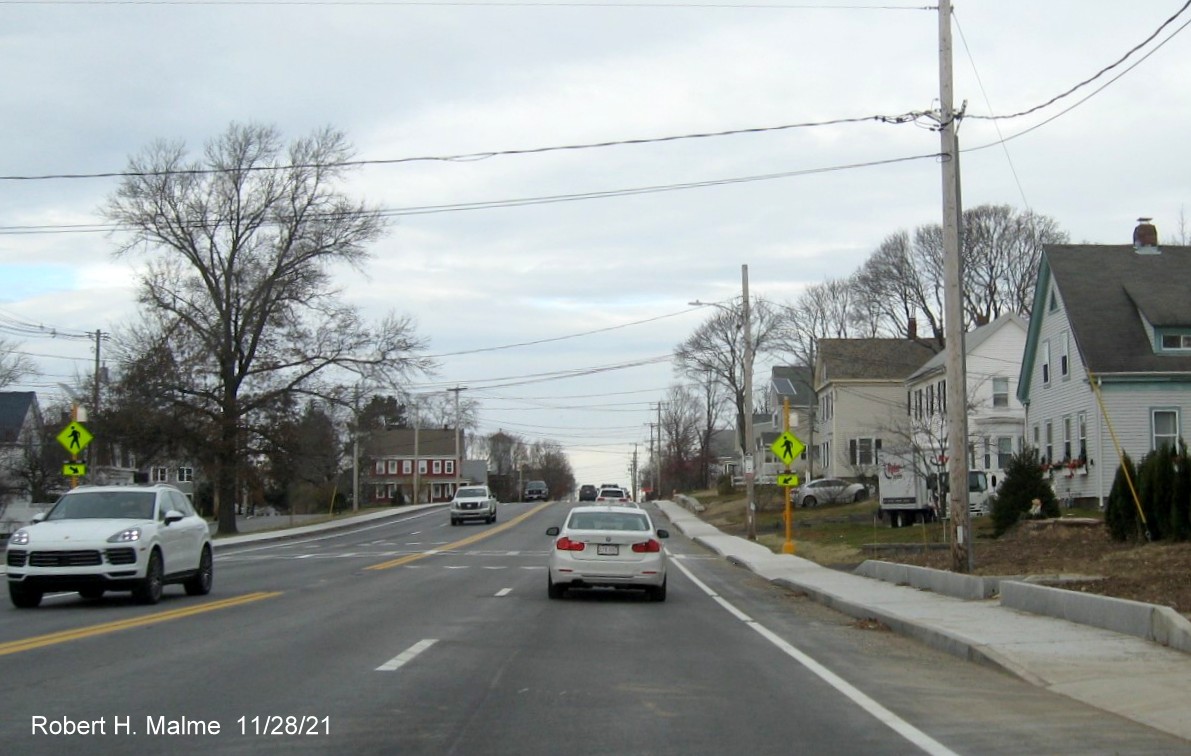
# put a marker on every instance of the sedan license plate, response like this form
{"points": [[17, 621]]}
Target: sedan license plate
{"points": [[607, 549]]}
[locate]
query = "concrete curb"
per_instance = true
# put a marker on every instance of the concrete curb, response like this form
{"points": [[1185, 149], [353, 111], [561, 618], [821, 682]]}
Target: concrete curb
{"points": [[1160, 624]]}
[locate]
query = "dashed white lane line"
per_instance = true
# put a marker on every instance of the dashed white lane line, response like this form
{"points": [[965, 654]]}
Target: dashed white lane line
{"points": [[504, 592], [407, 655], [894, 722]]}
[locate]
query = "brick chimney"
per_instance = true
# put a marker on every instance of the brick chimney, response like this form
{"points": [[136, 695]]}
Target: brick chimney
{"points": [[912, 328], [1145, 235]]}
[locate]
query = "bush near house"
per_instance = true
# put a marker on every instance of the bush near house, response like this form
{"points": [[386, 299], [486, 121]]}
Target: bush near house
{"points": [[1024, 481], [1163, 485]]}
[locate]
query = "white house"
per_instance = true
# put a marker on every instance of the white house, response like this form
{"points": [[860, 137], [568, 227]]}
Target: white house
{"points": [[21, 427], [861, 390], [1108, 352], [996, 417]]}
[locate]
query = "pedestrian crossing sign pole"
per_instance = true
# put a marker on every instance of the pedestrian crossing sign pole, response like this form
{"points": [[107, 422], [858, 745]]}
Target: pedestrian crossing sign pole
{"points": [[787, 447]]}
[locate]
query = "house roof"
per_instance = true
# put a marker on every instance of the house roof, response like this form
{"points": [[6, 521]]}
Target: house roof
{"points": [[972, 340], [399, 442], [793, 382], [14, 408], [723, 443], [1104, 288], [871, 359]]}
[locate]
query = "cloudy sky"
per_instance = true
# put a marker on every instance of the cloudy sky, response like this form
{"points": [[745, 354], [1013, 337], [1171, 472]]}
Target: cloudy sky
{"points": [[87, 84]]}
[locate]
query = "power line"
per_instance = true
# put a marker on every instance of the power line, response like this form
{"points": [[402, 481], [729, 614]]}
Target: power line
{"points": [[474, 156], [1099, 73]]}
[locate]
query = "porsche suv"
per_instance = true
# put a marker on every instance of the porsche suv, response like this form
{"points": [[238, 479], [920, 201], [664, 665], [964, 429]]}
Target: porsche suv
{"points": [[111, 538]]}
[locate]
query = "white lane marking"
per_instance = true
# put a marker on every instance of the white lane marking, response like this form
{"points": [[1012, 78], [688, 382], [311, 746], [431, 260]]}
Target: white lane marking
{"points": [[504, 592], [883, 715], [407, 655], [455, 566]]}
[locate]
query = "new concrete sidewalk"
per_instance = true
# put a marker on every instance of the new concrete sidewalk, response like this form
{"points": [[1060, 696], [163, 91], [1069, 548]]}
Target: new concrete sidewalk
{"points": [[1127, 675]]}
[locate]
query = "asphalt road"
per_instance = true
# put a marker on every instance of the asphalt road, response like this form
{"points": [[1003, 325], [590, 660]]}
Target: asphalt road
{"points": [[410, 636]]}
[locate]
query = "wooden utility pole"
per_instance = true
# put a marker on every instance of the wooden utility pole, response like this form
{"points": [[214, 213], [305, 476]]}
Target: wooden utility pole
{"points": [[953, 327], [750, 515]]}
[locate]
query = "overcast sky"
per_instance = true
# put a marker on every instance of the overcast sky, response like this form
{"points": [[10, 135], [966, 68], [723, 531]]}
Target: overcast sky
{"points": [[88, 84]]}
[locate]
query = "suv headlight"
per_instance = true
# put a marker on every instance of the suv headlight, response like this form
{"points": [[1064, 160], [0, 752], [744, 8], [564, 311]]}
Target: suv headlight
{"points": [[126, 536], [19, 538]]}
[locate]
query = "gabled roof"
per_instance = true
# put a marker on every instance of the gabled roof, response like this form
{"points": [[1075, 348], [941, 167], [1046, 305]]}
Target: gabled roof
{"points": [[14, 408], [972, 341], [793, 382], [1106, 289], [399, 442], [871, 359]]}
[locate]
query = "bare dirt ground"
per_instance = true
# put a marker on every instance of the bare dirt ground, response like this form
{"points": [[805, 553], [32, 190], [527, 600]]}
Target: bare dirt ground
{"points": [[1072, 553], [1080, 556]]}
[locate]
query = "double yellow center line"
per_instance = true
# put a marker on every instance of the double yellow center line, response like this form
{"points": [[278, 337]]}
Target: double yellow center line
{"points": [[28, 644], [461, 542]]}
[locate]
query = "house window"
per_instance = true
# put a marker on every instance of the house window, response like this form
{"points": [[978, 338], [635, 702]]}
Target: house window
{"points": [[1050, 443], [918, 404], [380, 467], [390, 491], [379, 493], [449, 467], [437, 492], [1037, 442], [392, 467], [185, 474], [1176, 341], [1165, 427], [1054, 300], [1067, 439], [1064, 366], [862, 451], [1046, 363], [438, 467], [943, 397], [1004, 451], [930, 400], [421, 467], [1000, 387], [407, 466], [1081, 427], [159, 475]]}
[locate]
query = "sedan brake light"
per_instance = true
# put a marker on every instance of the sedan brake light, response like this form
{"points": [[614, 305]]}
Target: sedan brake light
{"points": [[651, 546], [566, 544]]}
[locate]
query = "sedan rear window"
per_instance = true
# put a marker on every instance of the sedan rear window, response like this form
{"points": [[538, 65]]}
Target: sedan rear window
{"points": [[608, 521]]}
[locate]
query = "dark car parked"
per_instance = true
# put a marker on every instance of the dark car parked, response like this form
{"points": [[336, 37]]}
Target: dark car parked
{"points": [[587, 493]]}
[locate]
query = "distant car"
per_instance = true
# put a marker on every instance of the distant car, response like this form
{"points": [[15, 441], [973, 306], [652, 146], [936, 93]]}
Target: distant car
{"points": [[473, 503], [607, 547], [612, 496], [828, 491], [535, 490], [111, 538], [587, 493]]}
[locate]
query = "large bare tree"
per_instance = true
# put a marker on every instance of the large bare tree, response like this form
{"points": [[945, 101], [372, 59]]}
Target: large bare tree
{"points": [[241, 243], [715, 351], [13, 365]]}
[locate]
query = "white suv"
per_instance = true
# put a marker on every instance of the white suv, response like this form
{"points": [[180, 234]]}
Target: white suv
{"points": [[473, 503], [111, 538]]}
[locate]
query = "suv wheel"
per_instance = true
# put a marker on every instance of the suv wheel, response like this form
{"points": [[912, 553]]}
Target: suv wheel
{"points": [[200, 584], [148, 590], [23, 598]]}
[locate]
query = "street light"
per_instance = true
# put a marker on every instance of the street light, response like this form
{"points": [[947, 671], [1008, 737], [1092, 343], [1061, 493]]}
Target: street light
{"points": [[746, 450]]}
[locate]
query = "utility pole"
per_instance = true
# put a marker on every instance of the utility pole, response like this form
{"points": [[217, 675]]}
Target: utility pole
{"points": [[750, 516], [458, 454], [953, 329], [658, 469], [634, 477]]}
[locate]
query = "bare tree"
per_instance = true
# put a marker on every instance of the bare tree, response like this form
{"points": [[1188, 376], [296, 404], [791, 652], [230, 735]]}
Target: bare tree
{"points": [[715, 351], [1001, 251], [681, 417], [238, 290], [821, 311], [13, 365]]}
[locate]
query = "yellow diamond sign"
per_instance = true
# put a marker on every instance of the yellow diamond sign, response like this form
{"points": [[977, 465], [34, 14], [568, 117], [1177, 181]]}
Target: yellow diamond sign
{"points": [[74, 437], [787, 447]]}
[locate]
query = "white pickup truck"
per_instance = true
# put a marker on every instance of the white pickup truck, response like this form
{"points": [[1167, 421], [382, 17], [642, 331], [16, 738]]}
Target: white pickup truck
{"points": [[473, 503]]}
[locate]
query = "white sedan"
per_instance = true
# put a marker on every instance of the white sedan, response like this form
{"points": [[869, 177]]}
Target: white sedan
{"points": [[828, 491], [111, 538], [607, 547]]}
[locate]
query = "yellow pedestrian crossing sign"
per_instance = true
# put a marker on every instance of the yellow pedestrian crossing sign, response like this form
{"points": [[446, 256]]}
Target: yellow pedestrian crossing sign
{"points": [[74, 437], [789, 480], [787, 447], [74, 470]]}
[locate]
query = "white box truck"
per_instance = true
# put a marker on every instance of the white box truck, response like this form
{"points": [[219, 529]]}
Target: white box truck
{"points": [[909, 492]]}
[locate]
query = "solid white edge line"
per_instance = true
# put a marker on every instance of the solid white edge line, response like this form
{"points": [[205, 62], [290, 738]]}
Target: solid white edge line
{"points": [[407, 655], [883, 715]]}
